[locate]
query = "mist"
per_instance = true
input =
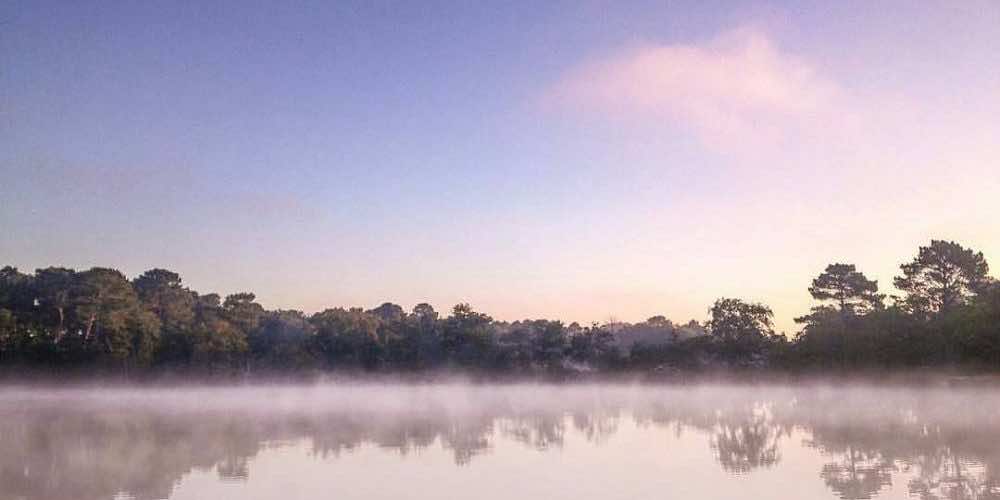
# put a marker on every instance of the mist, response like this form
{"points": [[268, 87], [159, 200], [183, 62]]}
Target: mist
{"points": [[154, 442]]}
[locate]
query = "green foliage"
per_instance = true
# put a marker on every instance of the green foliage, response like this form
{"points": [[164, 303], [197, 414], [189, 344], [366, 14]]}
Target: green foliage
{"points": [[97, 319], [242, 310], [162, 294], [467, 338], [281, 341], [348, 338], [52, 289]]}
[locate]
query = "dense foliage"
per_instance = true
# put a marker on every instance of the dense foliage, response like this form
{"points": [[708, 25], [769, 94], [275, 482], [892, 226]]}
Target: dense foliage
{"points": [[58, 318]]}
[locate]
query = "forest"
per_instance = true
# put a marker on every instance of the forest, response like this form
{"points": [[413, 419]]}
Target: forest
{"points": [[58, 320]]}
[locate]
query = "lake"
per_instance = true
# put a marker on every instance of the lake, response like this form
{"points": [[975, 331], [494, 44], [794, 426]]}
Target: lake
{"points": [[522, 441]]}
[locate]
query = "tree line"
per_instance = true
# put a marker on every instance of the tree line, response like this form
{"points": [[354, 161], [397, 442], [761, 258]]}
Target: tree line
{"points": [[948, 314]]}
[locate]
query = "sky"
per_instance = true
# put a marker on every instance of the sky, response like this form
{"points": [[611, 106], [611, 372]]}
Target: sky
{"points": [[579, 160]]}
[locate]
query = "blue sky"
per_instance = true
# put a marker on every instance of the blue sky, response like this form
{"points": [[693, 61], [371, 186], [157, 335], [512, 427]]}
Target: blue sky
{"points": [[576, 160]]}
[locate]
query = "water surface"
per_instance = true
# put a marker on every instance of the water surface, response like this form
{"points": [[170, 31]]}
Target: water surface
{"points": [[459, 441]]}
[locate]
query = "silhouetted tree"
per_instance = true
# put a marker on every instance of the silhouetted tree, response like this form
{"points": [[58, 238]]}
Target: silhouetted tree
{"points": [[942, 276], [388, 312], [742, 328], [213, 341], [58, 317], [347, 338], [161, 293], [52, 289], [243, 311], [832, 330], [467, 338], [282, 341], [847, 288]]}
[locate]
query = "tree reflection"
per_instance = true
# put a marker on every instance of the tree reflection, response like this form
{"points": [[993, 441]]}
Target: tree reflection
{"points": [[94, 452], [743, 447], [948, 476], [541, 432], [596, 426], [857, 475]]}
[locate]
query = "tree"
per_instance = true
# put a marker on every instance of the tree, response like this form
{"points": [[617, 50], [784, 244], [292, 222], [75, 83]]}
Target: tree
{"points": [[417, 339], [8, 332], [467, 338], [593, 345], [107, 312], [347, 338], [16, 312], [847, 288], [388, 312], [283, 340], [741, 328], [57, 317], [515, 345], [161, 293], [942, 276], [156, 279], [52, 289], [736, 320], [143, 334], [242, 310], [213, 340], [16, 293], [979, 328], [101, 297], [845, 295], [425, 312], [549, 343]]}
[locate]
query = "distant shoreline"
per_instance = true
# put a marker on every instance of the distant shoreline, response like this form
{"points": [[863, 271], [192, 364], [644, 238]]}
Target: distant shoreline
{"points": [[99, 323]]}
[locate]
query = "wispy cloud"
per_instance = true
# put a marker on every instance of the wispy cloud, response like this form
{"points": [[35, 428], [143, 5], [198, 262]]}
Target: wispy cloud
{"points": [[738, 88]]}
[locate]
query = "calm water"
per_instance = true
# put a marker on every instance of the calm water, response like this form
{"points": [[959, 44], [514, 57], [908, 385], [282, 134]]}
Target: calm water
{"points": [[499, 442]]}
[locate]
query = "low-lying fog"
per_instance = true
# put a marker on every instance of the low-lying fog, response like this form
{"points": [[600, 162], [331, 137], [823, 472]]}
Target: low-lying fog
{"points": [[367, 440]]}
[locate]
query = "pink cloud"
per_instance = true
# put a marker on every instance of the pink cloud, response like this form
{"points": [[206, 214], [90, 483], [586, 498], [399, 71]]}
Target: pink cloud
{"points": [[736, 89]]}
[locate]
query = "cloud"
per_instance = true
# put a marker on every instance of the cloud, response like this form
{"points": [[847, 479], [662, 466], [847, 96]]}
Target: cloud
{"points": [[736, 89]]}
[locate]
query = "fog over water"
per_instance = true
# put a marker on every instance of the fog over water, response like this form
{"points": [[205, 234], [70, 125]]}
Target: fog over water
{"points": [[456, 440]]}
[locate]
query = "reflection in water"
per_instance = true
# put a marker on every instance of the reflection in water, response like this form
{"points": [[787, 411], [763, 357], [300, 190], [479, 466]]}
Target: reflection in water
{"points": [[94, 445], [744, 446], [858, 475]]}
